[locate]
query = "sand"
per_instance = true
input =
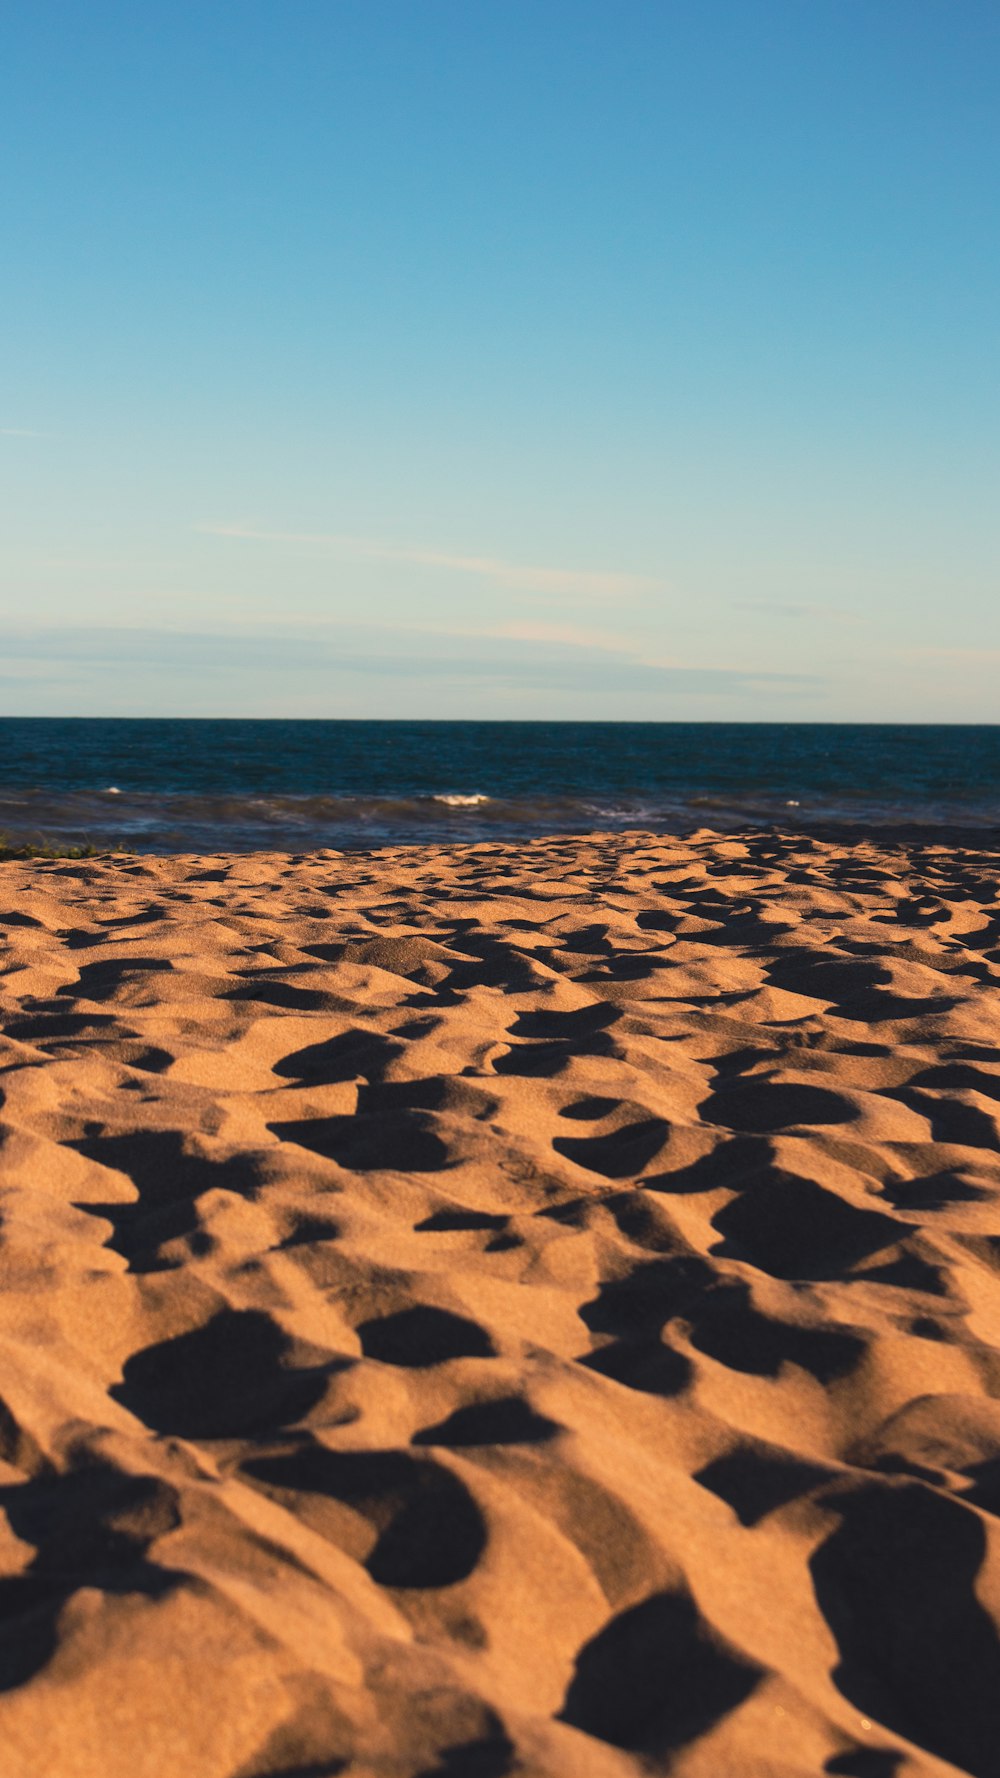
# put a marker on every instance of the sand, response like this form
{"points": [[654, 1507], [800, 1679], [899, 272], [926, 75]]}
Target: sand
{"points": [[502, 1309]]}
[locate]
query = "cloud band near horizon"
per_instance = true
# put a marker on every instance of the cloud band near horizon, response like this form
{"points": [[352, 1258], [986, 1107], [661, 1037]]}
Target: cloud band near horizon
{"points": [[520, 576]]}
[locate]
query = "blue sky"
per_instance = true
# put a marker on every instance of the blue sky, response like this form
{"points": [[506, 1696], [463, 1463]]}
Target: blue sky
{"points": [[608, 358]]}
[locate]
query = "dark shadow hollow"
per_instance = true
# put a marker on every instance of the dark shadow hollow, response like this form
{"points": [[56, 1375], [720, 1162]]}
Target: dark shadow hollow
{"points": [[655, 1677]]}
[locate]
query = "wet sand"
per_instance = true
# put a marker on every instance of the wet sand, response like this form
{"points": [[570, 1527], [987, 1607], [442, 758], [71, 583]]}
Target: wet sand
{"points": [[502, 1309]]}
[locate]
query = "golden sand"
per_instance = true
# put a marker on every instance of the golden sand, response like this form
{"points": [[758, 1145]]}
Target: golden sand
{"points": [[502, 1310]]}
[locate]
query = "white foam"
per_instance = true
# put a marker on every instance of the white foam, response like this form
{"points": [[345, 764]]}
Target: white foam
{"points": [[461, 802], [112, 790]]}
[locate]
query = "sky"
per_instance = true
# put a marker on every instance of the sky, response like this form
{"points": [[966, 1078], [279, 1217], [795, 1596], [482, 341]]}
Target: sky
{"points": [[625, 359]]}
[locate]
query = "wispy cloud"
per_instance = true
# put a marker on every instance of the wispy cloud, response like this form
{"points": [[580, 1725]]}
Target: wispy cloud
{"points": [[790, 608], [971, 656], [566, 636], [521, 576], [334, 655]]}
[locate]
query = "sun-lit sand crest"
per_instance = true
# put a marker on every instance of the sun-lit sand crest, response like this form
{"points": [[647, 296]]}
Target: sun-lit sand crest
{"points": [[502, 1309]]}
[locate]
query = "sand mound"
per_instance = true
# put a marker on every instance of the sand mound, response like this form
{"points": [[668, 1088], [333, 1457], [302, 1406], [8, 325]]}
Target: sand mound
{"points": [[492, 1309]]}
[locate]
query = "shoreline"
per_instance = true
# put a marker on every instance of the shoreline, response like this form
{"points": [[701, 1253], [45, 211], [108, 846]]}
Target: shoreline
{"points": [[922, 836], [527, 1302]]}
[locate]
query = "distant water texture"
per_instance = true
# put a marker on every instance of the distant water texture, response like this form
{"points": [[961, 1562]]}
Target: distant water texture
{"points": [[178, 785]]}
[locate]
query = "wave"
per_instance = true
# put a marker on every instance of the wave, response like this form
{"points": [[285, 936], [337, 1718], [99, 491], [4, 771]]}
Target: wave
{"points": [[191, 821]]}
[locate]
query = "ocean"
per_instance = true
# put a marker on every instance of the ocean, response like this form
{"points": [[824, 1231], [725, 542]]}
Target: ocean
{"points": [[183, 785]]}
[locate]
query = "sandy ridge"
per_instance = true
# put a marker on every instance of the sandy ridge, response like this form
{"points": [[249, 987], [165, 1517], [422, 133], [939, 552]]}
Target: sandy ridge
{"points": [[502, 1309]]}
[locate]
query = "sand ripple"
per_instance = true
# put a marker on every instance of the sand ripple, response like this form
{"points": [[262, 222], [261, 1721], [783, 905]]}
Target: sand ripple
{"points": [[502, 1310]]}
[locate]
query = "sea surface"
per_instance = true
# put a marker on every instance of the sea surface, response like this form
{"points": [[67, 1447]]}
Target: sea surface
{"points": [[181, 785]]}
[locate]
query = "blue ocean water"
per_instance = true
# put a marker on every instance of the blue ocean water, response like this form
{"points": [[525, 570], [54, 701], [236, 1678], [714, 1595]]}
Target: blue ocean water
{"points": [[180, 785]]}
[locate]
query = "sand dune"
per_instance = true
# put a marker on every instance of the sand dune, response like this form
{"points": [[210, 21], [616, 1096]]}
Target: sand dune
{"points": [[491, 1309]]}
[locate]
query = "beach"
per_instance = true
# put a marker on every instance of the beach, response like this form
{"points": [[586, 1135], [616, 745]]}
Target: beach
{"points": [[523, 1308]]}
